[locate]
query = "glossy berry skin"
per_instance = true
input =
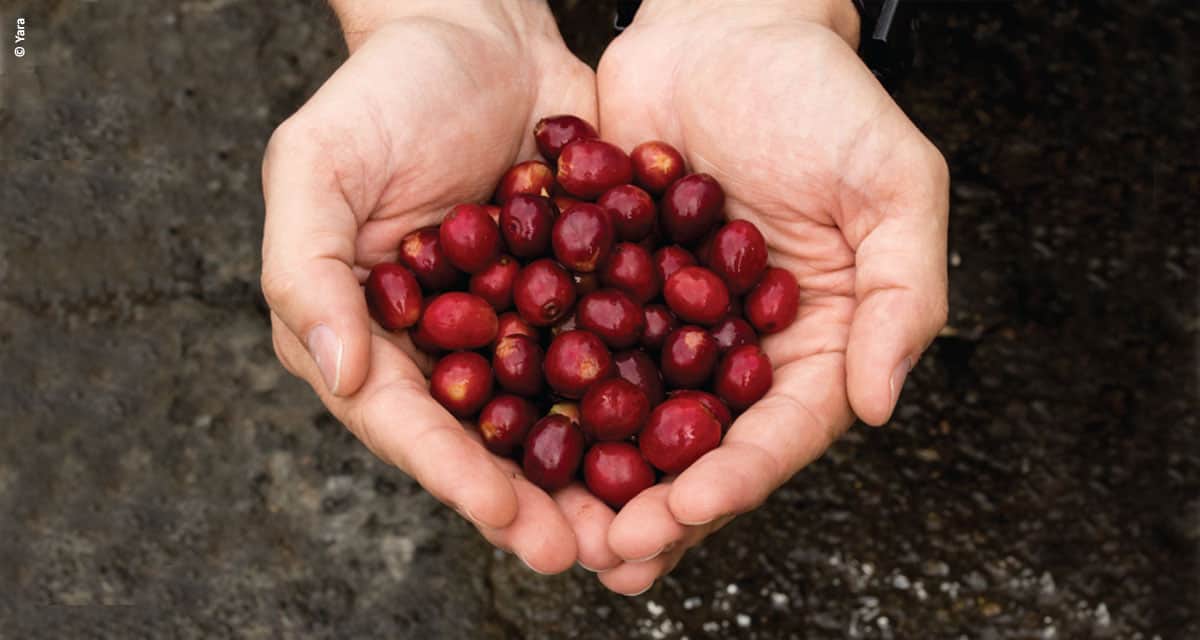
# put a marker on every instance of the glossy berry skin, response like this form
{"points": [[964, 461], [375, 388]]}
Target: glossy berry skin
{"points": [[493, 212], [691, 206], [470, 238], [495, 283], [613, 316], [743, 377], [531, 177], [525, 224], [732, 331], [711, 402], [688, 357], [555, 132], [574, 361], [772, 305], [672, 258], [615, 472], [457, 320], [587, 168], [632, 210], [697, 295], [504, 422], [543, 293], [421, 339], [393, 296], [564, 203], [510, 323], [677, 433], [703, 249], [421, 251], [517, 363], [553, 451], [656, 165], [631, 269], [613, 409], [638, 369], [462, 383], [739, 255], [582, 237], [660, 322]]}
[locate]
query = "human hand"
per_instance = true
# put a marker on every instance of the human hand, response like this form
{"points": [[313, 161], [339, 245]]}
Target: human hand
{"points": [[772, 100], [435, 102]]}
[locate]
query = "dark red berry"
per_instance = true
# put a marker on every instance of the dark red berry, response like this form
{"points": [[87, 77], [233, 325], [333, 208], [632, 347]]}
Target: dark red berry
{"points": [[656, 165], [470, 238], [743, 377], [677, 433], [532, 177], [691, 206], [574, 361], [697, 295], [615, 472], [631, 269], [568, 323], [710, 402], [613, 409], [582, 237], [543, 292], [632, 210], [504, 423], [457, 320], [565, 408], [585, 283], [660, 322], [670, 259], [510, 323], [393, 296], [461, 382], [772, 305], [555, 132], [495, 283], [421, 251], [688, 357], [525, 223], [638, 368], [553, 451], [517, 362], [731, 332], [739, 255], [613, 316], [589, 167]]}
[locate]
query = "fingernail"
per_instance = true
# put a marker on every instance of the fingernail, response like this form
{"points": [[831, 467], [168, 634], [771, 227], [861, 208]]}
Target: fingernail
{"points": [[896, 382], [634, 595], [585, 567], [661, 550], [326, 349], [695, 524], [540, 573]]}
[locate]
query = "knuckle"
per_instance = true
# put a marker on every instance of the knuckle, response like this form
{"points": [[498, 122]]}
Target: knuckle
{"points": [[277, 286]]}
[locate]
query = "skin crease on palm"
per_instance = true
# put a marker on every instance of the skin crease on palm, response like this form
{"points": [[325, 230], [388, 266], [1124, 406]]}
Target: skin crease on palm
{"points": [[851, 197]]}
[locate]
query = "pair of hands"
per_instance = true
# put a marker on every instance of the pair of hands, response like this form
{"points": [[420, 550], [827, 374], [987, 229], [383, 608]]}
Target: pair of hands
{"points": [[436, 101]]}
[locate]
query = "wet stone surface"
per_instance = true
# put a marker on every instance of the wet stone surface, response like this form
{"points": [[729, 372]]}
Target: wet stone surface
{"points": [[1041, 478]]}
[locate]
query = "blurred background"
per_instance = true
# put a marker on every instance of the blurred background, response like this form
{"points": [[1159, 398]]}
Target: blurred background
{"points": [[1040, 479]]}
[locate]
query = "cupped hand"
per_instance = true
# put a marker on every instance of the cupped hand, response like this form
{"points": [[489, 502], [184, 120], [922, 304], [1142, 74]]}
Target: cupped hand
{"points": [[435, 101], [772, 100]]}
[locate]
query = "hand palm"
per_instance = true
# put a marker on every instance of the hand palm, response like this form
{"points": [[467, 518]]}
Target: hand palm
{"points": [[812, 150]]}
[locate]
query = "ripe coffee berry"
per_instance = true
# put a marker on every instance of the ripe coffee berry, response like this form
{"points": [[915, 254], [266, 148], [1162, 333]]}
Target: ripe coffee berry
{"points": [[626, 281]]}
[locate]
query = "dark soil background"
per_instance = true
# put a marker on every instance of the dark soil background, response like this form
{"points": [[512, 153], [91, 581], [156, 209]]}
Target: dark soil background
{"points": [[1041, 478]]}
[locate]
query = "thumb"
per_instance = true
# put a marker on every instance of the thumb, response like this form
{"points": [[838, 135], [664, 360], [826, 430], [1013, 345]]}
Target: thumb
{"points": [[900, 284], [308, 254]]}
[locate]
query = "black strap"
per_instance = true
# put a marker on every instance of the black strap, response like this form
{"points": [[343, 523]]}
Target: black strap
{"points": [[626, 9]]}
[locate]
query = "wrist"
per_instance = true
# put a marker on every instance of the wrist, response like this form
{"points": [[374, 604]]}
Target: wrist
{"points": [[839, 16], [513, 19]]}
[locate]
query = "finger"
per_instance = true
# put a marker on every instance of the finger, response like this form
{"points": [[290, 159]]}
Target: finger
{"points": [[635, 578], [900, 283], [590, 519], [397, 419], [541, 535], [803, 414], [645, 526], [308, 254]]}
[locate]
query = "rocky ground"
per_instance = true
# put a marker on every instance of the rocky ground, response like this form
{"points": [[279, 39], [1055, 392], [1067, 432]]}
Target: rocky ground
{"points": [[1041, 478]]}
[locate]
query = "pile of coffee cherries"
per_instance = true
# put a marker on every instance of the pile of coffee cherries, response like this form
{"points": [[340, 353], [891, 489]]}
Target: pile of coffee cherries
{"points": [[600, 313]]}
